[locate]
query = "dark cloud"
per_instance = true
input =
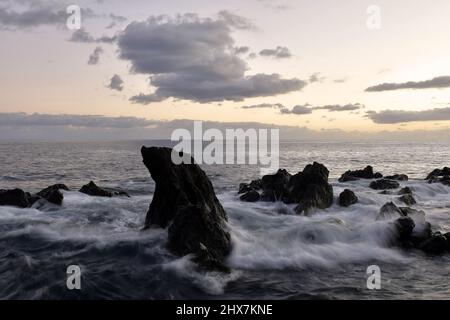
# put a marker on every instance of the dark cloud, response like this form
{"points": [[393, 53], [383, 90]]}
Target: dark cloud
{"points": [[242, 50], [145, 98], [437, 83], [81, 121], [338, 107], [94, 58], [401, 116], [298, 110], [82, 36], [116, 83], [265, 106], [278, 53], [195, 59], [316, 77]]}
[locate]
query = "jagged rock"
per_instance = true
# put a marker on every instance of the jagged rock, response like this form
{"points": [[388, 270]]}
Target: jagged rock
{"points": [[93, 190], [398, 177], [445, 180], [15, 198], [405, 190], [53, 194], [310, 188], [366, 173], [384, 184], [195, 230], [184, 198], [347, 198], [437, 244], [389, 211], [250, 196], [275, 186], [408, 199]]}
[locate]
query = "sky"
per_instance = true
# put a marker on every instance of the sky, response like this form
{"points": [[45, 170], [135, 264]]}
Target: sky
{"points": [[337, 68]]}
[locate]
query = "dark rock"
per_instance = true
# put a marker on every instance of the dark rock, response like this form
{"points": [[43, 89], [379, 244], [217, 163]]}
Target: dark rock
{"points": [[196, 230], [398, 177], [184, 198], [405, 190], [437, 244], [421, 234], [390, 210], [366, 173], [250, 196], [275, 186], [93, 190], [347, 198], [408, 199], [246, 187], [386, 192], [53, 194], [310, 188], [15, 198], [410, 212], [384, 184], [404, 229], [438, 173]]}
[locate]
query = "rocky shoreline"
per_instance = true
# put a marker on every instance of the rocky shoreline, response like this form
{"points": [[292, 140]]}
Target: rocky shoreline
{"points": [[185, 203]]}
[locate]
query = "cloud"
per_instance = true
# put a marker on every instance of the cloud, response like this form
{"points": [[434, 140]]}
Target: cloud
{"points": [[401, 116], [339, 108], [94, 58], [236, 21], [145, 98], [435, 83], [298, 110], [277, 53], [116, 83], [316, 77], [115, 20], [81, 36], [79, 121], [195, 59], [265, 106], [242, 50]]}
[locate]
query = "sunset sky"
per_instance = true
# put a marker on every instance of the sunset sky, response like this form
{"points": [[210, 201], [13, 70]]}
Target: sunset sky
{"points": [[311, 64]]}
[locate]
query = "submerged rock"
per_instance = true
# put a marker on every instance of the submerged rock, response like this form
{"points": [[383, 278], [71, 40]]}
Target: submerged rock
{"points": [[408, 199], [398, 177], [53, 194], [15, 198], [384, 184], [93, 190], [184, 198], [347, 198], [366, 173], [404, 227]]}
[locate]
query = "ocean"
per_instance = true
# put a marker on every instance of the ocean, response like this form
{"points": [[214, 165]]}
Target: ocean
{"points": [[276, 254]]}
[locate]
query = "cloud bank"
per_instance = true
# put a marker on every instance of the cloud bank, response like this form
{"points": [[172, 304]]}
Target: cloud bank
{"points": [[435, 83], [401, 116]]}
